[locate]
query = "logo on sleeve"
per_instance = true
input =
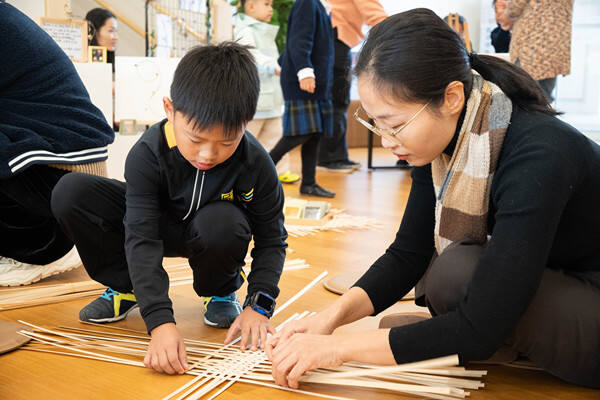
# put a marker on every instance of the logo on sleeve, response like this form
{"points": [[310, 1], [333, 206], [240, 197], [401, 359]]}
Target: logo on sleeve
{"points": [[247, 197], [227, 196]]}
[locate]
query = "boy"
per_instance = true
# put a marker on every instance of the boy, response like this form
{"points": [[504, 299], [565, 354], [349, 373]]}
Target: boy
{"points": [[252, 29], [197, 186]]}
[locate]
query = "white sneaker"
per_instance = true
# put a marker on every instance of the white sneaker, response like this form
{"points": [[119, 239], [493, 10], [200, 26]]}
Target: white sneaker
{"points": [[15, 273]]}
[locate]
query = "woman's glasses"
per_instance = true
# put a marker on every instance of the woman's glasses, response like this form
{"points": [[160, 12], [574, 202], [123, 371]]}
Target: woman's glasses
{"points": [[389, 134]]}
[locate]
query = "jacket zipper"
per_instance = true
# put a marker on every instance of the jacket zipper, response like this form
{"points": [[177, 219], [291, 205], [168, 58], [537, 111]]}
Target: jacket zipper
{"points": [[194, 194]]}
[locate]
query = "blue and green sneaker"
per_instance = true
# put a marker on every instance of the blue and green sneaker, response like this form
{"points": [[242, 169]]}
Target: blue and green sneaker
{"points": [[112, 306], [220, 312]]}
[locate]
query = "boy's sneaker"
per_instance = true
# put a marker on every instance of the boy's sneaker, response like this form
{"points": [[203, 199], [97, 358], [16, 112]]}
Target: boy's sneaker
{"points": [[110, 307], [220, 312]]}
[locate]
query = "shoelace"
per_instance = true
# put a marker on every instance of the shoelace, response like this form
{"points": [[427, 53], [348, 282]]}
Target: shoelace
{"points": [[108, 293]]}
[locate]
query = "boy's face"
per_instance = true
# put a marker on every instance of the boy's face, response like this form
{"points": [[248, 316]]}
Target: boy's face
{"points": [[204, 149], [261, 10]]}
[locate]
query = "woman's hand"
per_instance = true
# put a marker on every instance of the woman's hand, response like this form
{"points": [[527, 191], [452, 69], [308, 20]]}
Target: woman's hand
{"points": [[303, 352], [319, 324]]}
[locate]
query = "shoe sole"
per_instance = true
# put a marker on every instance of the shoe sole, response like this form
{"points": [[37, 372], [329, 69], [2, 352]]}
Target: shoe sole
{"points": [[113, 319], [339, 171]]}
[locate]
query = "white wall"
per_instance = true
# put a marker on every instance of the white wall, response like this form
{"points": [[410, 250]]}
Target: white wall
{"points": [[32, 8]]}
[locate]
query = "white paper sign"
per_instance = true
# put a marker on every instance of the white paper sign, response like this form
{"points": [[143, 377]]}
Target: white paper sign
{"points": [[68, 38]]}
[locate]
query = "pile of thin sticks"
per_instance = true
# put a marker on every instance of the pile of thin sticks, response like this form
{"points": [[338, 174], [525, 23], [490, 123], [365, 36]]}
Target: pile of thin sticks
{"points": [[217, 366], [29, 296], [339, 222]]}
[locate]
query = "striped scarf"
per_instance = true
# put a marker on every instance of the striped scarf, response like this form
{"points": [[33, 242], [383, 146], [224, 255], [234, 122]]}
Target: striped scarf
{"points": [[462, 182]]}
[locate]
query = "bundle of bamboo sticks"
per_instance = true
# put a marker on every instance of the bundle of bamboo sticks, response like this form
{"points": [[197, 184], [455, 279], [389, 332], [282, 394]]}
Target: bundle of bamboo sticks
{"points": [[29, 296], [218, 366], [339, 222]]}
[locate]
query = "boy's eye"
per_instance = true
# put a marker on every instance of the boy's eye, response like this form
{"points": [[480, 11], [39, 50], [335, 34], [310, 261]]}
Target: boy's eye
{"points": [[227, 144]]}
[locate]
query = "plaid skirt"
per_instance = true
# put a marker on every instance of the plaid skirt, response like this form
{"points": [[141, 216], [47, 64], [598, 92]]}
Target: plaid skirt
{"points": [[303, 117]]}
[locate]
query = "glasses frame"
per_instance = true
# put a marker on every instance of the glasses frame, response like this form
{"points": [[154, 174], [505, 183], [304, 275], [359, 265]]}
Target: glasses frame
{"points": [[389, 134]]}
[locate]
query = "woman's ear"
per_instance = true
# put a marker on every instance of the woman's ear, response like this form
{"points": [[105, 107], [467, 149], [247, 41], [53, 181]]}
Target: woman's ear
{"points": [[454, 98]]}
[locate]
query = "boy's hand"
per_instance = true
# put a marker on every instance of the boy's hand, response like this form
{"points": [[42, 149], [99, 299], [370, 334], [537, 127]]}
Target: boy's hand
{"points": [[277, 72], [308, 85], [252, 325], [166, 352]]}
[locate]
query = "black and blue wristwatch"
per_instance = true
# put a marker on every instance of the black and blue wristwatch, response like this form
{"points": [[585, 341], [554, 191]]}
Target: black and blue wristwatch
{"points": [[262, 303]]}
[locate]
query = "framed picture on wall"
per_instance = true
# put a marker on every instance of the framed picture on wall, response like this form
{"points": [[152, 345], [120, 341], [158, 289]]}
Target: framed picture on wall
{"points": [[96, 54], [70, 35]]}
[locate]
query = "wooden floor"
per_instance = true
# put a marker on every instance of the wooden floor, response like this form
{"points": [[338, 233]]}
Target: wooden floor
{"points": [[380, 194]]}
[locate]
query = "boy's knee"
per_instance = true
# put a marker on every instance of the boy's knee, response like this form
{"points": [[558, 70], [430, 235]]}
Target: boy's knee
{"points": [[448, 276], [66, 193], [220, 225]]}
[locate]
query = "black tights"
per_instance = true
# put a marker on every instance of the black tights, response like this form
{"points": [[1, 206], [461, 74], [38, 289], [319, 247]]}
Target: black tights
{"points": [[310, 145]]}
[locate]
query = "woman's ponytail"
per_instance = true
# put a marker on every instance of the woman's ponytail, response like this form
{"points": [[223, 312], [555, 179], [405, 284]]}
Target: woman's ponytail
{"points": [[517, 84]]}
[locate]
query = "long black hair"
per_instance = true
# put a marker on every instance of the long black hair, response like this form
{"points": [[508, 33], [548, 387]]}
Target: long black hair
{"points": [[414, 55], [97, 18]]}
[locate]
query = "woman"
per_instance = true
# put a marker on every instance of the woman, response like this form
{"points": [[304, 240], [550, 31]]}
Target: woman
{"points": [[103, 31], [501, 227]]}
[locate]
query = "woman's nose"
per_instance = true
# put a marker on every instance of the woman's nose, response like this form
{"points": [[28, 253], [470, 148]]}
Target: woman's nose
{"points": [[388, 144]]}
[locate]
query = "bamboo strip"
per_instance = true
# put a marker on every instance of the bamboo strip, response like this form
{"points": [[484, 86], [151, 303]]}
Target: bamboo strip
{"points": [[433, 363]]}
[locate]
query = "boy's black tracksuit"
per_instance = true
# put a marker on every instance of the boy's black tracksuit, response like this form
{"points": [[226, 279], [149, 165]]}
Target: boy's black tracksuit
{"points": [[170, 208]]}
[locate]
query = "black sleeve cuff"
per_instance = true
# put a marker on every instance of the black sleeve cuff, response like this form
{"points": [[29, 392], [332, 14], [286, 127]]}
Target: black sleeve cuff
{"points": [[158, 317], [432, 338]]}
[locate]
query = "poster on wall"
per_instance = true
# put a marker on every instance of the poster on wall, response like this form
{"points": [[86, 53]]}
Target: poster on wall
{"points": [[140, 85]]}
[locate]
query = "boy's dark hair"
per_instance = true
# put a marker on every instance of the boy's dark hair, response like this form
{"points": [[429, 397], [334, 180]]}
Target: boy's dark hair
{"points": [[414, 55], [217, 85]]}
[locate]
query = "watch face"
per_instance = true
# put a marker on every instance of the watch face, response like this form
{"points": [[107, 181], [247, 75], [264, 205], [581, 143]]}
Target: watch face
{"points": [[264, 302]]}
